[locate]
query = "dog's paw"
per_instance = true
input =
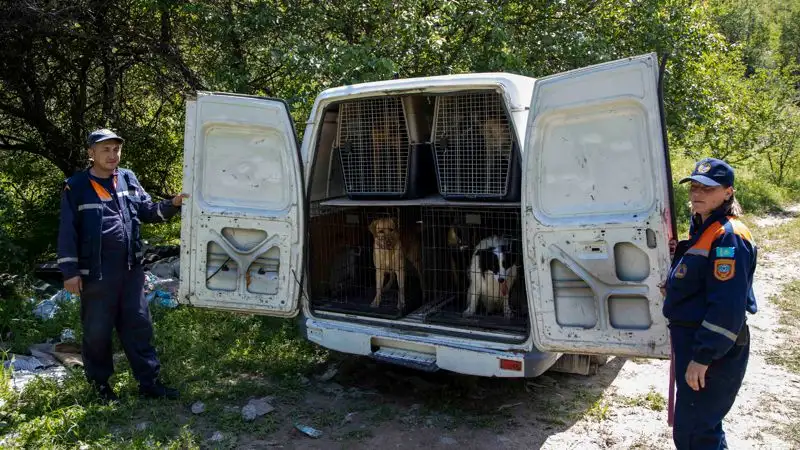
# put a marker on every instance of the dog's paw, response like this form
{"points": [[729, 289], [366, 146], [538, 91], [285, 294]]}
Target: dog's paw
{"points": [[468, 313]]}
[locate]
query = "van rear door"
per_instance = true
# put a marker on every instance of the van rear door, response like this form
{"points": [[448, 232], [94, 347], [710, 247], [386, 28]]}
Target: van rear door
{"points": [[596, 203], [243, 229]]}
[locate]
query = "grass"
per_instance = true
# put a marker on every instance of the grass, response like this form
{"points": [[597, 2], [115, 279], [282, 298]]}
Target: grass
{"points": [[598, 411], [788, 353], [652, 400], [219, 358], [783, 238]]}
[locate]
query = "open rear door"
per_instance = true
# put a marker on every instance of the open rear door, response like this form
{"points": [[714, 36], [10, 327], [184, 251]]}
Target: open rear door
{"points": [[242, 230], [597, 210]]}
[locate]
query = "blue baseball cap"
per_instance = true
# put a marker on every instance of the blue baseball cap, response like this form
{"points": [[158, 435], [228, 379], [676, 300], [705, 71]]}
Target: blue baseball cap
{"points": [[711, 172], [100, 135]]}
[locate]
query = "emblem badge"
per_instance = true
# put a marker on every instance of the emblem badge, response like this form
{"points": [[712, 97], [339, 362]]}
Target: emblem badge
{"points": [[681, 270], [724, 269], [703, 168]]}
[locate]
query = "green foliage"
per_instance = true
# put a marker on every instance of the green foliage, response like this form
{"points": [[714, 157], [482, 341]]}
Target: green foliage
{"points": [[29, 203], [729, 92], [745, 26]]}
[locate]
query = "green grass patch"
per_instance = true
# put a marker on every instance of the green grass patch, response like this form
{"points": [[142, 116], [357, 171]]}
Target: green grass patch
{"points": [[652, 400], [598, 410], [220, 358]]}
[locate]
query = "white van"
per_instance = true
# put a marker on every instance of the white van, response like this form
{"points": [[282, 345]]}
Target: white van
{"points": [[545, 202]]}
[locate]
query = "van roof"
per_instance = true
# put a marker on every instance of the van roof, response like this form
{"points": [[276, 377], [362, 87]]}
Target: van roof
{"points": [[517, 87]]}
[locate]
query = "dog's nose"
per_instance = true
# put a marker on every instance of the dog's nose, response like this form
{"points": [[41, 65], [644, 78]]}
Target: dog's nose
{"points": [[501, 280]]}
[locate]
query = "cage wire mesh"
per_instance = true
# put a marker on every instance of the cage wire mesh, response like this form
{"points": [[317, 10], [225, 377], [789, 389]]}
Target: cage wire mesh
{"points": [[468, 251], [473, 144], [344, 273], [374, 146]]}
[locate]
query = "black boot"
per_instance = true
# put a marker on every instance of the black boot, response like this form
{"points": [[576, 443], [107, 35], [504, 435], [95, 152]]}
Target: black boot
{"points": [[106, 394], [158, 390]]}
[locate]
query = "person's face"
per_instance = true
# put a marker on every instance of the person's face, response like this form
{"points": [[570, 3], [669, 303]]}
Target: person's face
{"points": [[707, 198], [106, 154]]}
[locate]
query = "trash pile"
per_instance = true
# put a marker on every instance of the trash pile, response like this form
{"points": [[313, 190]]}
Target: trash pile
{"points": [[162, 272], [161, 280]]}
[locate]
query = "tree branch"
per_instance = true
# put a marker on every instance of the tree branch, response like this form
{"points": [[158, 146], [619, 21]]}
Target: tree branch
{"points": [[166, 48]]}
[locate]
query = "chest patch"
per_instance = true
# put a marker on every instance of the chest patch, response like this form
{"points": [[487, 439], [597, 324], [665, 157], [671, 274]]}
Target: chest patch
{"points": [[724, 269], [681, 270]]}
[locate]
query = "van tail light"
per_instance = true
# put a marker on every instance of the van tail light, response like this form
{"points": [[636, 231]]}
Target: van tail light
{"points": [[511, 364]]}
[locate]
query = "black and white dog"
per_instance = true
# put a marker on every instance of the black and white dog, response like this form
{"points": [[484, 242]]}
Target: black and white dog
{"points": [[491, 276]]}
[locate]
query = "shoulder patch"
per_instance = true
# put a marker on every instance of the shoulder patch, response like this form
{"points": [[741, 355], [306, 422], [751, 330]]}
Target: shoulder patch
{"points": [[724, 269], [725, 252], [681, 270]]}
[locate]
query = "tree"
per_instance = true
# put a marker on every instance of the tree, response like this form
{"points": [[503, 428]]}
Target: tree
{"points": [[68, 68]]}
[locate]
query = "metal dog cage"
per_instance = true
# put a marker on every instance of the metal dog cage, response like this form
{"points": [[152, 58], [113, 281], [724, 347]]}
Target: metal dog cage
{"points": [[450, 238], [475, 151], [379, 149], [342, 266]]}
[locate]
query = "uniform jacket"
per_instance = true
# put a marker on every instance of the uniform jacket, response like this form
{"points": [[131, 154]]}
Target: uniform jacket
{"points": [[710, 285], [80, 231]]}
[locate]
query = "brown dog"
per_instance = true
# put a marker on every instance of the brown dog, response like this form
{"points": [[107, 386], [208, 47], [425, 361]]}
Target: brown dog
{"points": [[497, 135], [391, 249]]}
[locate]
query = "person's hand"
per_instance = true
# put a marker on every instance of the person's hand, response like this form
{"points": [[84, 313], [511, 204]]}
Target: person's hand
{"points": [[74, 285], [663, 288], [696, 375], [178, 199]]}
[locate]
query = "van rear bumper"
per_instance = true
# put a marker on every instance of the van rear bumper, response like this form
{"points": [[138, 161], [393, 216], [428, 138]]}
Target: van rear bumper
{"points": [[425, 352]]}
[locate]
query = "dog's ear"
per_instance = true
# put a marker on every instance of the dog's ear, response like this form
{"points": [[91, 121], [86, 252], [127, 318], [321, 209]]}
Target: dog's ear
{"points": [[373, 226], [452, 238]]}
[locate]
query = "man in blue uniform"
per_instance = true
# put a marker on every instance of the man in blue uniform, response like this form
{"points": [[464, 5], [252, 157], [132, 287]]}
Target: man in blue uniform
{"points": [[100, 255], [709, 292]]}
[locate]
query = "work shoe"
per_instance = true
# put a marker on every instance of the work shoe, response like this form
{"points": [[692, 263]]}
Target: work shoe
{"points": [[106, 394], [158, 390]]}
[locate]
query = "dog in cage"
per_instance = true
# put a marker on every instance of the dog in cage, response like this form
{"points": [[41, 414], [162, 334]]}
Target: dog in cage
{"points": [[343, 270], [394, 246], [497, 141], [386, 139], [492, 273]]}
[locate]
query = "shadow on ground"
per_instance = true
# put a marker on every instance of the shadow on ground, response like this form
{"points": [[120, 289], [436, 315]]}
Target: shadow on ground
{"points": [[375, 405]]}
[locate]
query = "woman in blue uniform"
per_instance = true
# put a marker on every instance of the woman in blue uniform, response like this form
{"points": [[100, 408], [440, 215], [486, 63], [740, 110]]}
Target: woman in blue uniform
{"points": [[708, 293]]}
